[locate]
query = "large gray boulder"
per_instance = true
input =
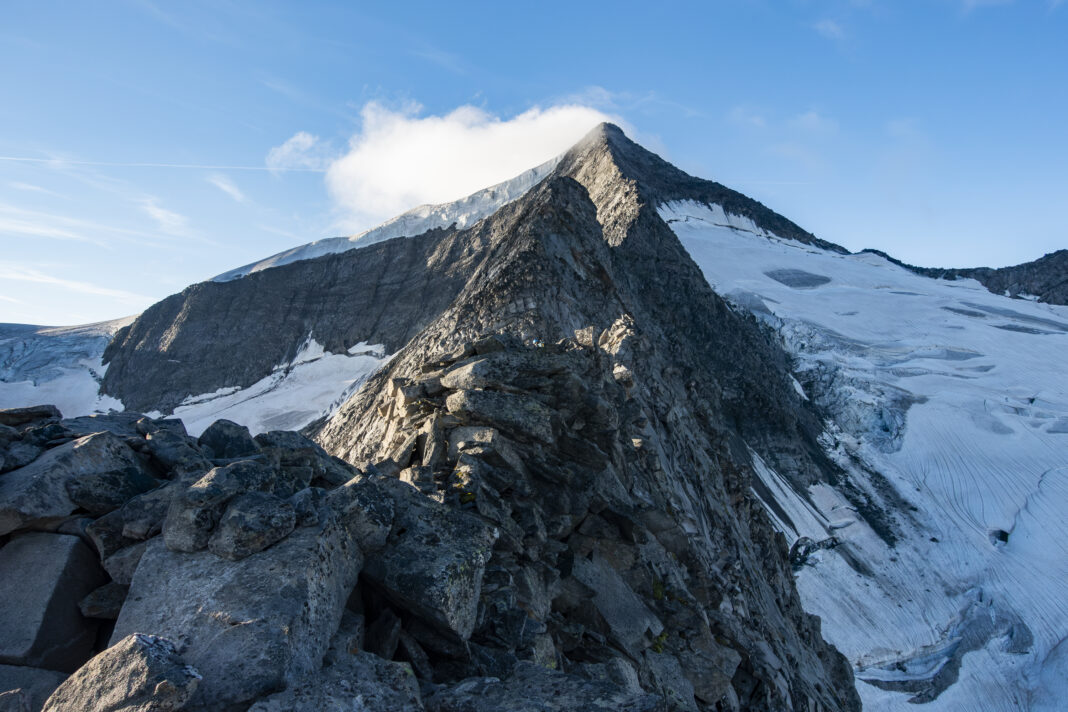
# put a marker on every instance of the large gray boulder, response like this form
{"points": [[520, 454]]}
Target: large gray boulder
{"points": [[533, 688], [140, 673], [251, 626], [361, 683], [520, 414], [434, 560], [25, 689], [43, 577], [15, 417], [252, 522], [194, 512], [39, 491], [226, 439]]}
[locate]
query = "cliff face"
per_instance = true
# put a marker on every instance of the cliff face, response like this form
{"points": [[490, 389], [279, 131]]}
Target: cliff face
{"points": [[231, 334], [589, 395]]}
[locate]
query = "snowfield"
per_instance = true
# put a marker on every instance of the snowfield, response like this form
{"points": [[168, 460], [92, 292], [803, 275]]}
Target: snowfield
{"points": [[313, 385], [62, 366], [948, 407]]}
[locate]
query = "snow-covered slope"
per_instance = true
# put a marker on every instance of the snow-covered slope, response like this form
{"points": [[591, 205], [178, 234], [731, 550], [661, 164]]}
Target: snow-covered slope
{"points": [[948, 408], [56, 364], [462, 213], [313, 385], [62, 366]]}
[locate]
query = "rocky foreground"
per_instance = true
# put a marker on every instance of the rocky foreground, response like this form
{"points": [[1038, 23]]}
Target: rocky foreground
{"points": [[143, 569]]}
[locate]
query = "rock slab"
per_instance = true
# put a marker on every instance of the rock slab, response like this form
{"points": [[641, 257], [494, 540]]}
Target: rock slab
{"points": [[140, 673], [43, 577], [251, 626]]}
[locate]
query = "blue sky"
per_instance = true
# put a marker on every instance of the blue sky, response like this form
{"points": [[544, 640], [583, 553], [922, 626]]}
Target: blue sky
{"points": [[169, 142]]}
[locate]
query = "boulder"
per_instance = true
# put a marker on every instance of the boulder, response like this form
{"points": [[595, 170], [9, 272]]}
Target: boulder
{"points": [[104, 602], [504, 370], [252, 522], [140, 673], [101, 492], [307, 506], [21, 416], [519, 414], [225, 439], [18, 454], [143, 515], [194, 512], [38, 491], [293, 451], [383, 635], [366, 509], [122, 564], [251, 626], [106, 534], [176, 453], [661, 672], [42, 579], [533, 688], [26, 688], [361, 683], [433, 561], [626, 620]]}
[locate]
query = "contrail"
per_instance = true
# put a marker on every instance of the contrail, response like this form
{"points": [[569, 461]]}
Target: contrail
{"points": [[198, 166]]}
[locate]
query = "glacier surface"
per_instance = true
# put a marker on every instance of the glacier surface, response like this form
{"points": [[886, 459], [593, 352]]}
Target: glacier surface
{"points": [[60, 365], [947, 406]]}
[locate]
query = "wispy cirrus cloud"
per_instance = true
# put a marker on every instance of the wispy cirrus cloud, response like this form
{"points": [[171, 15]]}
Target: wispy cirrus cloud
{"points": [[168, 221], [227, 186], [22, 273]]}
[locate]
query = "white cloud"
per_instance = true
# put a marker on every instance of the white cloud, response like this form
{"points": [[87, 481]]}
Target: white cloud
{"points": [[400, 159], [169, 221], [301, 152], [19, 273], [830, 29], [227, 186]]}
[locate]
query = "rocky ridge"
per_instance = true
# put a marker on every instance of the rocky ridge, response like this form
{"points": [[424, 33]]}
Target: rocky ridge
{"points": [[546, 495], [1044, 279]]}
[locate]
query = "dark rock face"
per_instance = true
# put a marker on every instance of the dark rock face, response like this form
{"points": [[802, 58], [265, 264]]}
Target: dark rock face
{"points": [[1045, 278], [211, 335]]}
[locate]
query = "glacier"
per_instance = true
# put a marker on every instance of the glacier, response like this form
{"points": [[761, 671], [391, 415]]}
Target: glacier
{"points": [[60, 365], [957, 400]]}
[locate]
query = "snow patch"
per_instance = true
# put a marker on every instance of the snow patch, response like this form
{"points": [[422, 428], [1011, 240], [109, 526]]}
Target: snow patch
{"points": [[314, 384]]}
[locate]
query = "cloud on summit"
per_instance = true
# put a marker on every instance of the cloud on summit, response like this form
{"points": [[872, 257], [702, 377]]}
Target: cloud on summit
{"points": [[401, 158]]}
